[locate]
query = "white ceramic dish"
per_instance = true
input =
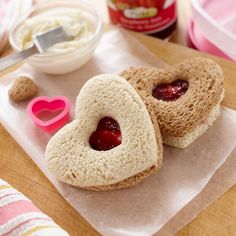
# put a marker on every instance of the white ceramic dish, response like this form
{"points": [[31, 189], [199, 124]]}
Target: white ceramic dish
{"points": [[63, 62]]}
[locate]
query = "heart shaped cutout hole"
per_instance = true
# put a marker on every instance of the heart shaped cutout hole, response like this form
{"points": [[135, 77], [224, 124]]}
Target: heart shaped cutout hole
{"points": [[106, 136], [170, 92], [47, 115]]}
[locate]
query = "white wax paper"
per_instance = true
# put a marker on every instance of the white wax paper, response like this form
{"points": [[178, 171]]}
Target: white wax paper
{"points": [[149, 207]]}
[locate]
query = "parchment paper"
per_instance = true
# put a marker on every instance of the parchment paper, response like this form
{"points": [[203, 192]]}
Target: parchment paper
{"points": [[150, 206], [223, 179]]}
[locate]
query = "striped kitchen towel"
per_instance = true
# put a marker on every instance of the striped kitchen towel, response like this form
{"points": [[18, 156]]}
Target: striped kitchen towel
{"points": [[10, 12], [20, 217]]}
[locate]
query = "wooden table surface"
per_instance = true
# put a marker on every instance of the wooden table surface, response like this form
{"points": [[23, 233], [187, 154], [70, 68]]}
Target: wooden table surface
{"points": [[17, 168]]}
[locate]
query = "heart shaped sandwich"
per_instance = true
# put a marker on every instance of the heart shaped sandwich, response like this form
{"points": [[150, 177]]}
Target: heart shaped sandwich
{"points": [[185, 97], [114, 141]]}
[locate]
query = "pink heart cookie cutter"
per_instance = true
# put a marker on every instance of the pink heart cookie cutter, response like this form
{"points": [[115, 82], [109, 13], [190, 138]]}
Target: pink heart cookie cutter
{"points": [[42, 104]]}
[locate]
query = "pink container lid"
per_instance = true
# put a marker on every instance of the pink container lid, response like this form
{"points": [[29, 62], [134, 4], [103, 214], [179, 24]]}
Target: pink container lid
{"points": [[216, 20], [197, 40]]}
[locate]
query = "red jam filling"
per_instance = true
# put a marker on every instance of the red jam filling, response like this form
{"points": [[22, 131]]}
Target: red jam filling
{"points": [[170, 92], [106, 136]]}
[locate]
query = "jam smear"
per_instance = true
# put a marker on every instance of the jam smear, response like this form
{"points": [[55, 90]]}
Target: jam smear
{"points": [[170, 92], [106, 136]]}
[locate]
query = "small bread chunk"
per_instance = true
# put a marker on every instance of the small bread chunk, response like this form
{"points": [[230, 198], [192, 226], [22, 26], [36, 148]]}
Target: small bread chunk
{"points": [[22, 89]]}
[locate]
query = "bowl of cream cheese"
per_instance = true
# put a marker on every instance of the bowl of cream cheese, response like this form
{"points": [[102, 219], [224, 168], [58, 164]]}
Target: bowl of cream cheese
{"points": [[79, 20]]}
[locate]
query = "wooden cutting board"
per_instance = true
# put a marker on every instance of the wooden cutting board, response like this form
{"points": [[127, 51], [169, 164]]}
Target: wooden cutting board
{"points": [[17, 168]]}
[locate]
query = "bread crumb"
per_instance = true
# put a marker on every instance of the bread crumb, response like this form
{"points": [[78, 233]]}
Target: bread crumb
{"points": [[22, 89]]}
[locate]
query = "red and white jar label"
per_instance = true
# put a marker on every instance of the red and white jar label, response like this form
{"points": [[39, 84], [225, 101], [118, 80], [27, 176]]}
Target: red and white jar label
{"points": [[147, 16]]}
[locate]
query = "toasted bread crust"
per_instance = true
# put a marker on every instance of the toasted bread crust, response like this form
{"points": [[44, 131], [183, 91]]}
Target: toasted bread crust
{"points": [[180, 117], [133, 180]]}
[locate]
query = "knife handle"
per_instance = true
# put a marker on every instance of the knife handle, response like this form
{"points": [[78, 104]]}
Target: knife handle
{"points": [[17, 57]]}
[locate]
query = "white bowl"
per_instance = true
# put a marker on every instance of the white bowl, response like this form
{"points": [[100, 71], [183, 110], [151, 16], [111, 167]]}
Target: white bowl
{"points": [[63, 62]]}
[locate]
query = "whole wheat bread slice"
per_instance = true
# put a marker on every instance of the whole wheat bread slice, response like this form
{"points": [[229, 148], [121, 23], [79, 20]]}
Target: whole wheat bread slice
{"points": [[72, 160], [184, 120]]}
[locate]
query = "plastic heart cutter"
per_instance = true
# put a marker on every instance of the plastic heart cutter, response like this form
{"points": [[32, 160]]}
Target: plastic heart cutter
{"points": [[45, 104]]}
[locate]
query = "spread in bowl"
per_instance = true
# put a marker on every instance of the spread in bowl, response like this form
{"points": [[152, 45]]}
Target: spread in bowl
{"points": [[74, 21], [79, 20]]}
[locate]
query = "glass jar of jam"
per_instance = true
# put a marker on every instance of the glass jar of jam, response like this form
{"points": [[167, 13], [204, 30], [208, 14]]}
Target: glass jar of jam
{"points": [[153, 17]]}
